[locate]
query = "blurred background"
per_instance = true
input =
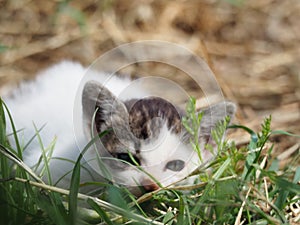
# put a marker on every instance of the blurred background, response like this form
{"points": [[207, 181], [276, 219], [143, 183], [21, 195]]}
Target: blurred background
{"points": [[253, 47]]}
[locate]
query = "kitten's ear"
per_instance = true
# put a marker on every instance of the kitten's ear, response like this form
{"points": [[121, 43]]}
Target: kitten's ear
{"points": [[102, 105], [214, 114], [211, 117]]}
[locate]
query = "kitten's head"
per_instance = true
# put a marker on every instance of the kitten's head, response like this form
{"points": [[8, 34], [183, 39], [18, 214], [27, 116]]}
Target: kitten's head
{"points": [[146, 142]]}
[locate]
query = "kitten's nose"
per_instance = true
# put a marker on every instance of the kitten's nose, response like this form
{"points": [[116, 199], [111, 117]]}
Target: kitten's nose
{"points": [[149, 185]]}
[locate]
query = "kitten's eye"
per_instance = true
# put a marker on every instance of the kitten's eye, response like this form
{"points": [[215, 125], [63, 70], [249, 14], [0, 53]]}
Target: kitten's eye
{"points": [[126, 157], [175, 165]]}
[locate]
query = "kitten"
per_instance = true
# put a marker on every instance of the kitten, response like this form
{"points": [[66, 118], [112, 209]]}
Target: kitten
{"points": [[145, 144]]}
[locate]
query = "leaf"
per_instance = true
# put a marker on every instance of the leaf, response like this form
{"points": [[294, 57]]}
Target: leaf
{"points": [[46, 159], [14, 131], [116, 198], [287, 185], [100, 211], [168, 218], [2, 124], [284, 133], [74, 188], [183, 208], [297, 175], [222, 169], [75, 180], [234, 126], [51, 203], [181, 219]]}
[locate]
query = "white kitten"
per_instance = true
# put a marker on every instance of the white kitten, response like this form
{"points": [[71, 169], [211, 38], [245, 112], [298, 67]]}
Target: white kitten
{"points": [[144, 133]]}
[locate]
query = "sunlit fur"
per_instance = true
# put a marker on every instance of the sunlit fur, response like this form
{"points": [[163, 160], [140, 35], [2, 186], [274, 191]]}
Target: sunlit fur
{"points": [[49, 101]]}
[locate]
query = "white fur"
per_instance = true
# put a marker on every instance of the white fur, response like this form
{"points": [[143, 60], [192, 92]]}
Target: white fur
{"points": [[54, 99], [49, 101], [154, 156]]}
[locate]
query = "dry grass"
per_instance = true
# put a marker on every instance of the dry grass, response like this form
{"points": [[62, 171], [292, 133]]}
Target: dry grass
{"points": [[252, 46]]}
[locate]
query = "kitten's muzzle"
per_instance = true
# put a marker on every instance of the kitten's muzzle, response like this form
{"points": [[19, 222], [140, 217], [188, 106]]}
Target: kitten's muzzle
{"points": [[149, 185]]}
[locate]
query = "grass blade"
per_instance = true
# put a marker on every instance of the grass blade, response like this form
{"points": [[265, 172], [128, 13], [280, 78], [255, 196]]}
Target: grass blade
{"points": [[100, 211], [74, 188], [75, 180], [2, 124]]}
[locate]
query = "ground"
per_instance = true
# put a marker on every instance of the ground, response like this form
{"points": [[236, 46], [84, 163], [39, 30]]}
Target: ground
{"points": [[253, 47]]}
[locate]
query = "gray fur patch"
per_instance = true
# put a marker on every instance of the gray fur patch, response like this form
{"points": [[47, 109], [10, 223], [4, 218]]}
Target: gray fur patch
{"points": [[148, 115]]}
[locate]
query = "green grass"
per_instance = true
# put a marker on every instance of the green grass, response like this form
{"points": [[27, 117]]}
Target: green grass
{"points": [[244, 186]]}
